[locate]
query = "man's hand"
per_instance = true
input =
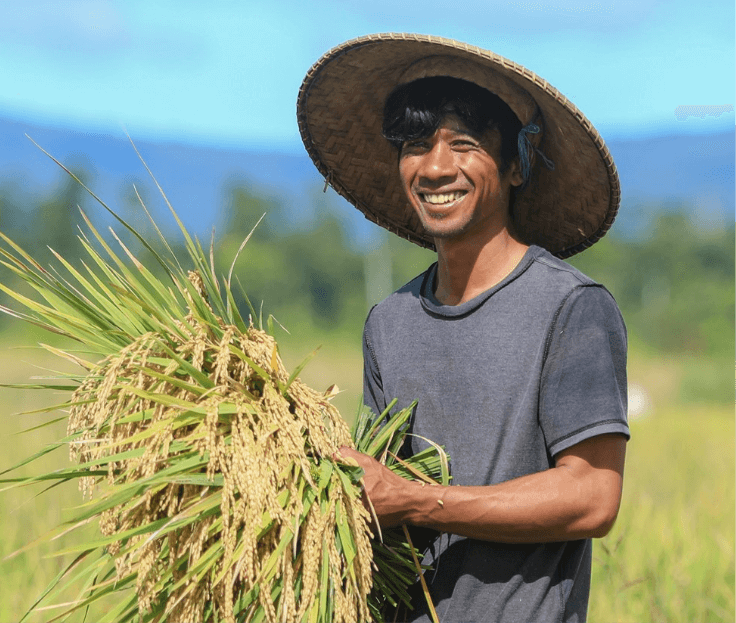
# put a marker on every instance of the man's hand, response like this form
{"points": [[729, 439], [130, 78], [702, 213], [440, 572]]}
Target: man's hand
{"points": [[387, 491]]}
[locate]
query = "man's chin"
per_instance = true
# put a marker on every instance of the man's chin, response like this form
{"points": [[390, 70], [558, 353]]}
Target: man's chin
{"points": [[445, 233]]}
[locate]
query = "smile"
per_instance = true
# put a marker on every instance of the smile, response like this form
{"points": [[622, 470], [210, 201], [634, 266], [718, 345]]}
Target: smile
{"points": [[443, 198]]}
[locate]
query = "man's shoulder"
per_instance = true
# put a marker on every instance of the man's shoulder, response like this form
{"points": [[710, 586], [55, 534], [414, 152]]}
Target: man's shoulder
{"points": [[558, 283], [564, 286], [550, 269]]}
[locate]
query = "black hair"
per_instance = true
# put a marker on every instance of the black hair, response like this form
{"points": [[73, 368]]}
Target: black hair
{"points": [[415, 111]]}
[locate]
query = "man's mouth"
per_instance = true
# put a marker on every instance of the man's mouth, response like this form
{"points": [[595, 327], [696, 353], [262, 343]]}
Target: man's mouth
{"points": [[442, 198]]}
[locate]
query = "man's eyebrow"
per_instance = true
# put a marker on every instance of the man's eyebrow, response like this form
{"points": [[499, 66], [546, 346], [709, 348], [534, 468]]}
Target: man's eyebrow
{"points": [[467, 132]]}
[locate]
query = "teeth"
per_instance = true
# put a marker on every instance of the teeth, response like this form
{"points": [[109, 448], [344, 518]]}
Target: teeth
{"points": [[443, 198]]}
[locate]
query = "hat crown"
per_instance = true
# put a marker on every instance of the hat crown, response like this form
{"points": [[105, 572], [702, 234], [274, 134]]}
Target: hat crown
{"points": [[518, 99]]}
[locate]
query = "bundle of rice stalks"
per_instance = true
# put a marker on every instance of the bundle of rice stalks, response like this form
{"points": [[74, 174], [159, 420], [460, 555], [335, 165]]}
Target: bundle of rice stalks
{"points": [[212, 471]]}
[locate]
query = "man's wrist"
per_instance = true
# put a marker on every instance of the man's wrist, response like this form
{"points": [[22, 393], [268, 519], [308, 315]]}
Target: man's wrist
{"points": [[422, 501]]}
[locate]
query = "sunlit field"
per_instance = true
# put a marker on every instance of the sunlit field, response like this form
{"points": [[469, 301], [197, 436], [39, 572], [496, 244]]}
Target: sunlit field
{"points": [[669, 558]]}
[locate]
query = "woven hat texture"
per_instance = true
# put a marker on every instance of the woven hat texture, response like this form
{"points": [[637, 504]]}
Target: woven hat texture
{"points": [[340, 113]]}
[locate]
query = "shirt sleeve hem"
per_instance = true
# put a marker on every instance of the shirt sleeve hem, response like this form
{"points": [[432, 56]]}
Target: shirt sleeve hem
{"points": [[604, 428]]}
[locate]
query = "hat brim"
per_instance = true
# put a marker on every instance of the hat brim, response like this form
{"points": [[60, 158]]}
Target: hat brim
{"points": [[340, 115]]}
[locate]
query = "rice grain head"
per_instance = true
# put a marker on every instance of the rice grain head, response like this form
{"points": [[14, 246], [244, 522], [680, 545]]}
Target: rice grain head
{"points": [[263, 445]]}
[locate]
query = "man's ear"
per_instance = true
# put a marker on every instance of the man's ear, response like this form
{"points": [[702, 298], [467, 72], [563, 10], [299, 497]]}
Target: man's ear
{"points": [[515, 176]]}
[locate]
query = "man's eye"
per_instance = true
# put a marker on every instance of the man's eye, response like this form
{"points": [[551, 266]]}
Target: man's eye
{"points": [[464, 142], [414, 149]]}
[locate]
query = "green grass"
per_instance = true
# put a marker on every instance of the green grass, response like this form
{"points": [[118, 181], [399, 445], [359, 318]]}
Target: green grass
{"points": [[669, 558]]}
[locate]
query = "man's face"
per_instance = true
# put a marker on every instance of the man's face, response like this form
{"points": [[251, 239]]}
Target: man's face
{"points": [[452, 180]]}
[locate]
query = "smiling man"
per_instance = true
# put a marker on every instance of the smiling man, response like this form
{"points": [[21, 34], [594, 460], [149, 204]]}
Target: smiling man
{"points": [[517, 360]]}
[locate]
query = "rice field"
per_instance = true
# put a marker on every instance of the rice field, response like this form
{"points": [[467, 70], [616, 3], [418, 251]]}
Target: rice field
{"points": [[669, 558]]}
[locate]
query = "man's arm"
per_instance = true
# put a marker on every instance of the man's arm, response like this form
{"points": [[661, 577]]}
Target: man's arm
{"points": [[578, 498]]}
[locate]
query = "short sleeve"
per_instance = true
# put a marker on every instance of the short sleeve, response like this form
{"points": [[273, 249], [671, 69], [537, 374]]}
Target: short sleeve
{"points": [[373, 396], [583, 385]]}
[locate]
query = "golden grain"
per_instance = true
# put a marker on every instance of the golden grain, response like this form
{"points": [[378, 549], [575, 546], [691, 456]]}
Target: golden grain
{"points": [[270, 443]]}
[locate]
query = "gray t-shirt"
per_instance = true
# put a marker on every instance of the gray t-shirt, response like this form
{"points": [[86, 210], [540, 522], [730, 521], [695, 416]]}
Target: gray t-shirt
{"points": [[504, 382]]}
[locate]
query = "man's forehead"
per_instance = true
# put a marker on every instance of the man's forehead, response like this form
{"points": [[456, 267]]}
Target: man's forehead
{"points": [[455, 124]]}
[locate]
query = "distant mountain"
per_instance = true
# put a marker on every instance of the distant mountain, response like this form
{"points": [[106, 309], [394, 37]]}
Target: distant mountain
{"points": [[697, 170], [196, 179]]}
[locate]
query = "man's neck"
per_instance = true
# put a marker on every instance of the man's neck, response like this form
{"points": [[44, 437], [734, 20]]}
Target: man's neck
{"points": [[466, 269]]}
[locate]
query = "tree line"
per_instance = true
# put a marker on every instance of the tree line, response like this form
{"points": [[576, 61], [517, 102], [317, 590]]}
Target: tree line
{"points": [[674, 283]]}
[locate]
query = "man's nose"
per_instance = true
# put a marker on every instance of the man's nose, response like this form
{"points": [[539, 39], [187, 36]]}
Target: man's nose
{"points": [[438, 165]]}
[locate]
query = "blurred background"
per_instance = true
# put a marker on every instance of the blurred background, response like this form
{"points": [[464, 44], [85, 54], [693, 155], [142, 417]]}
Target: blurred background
{"points": [[207, 93]]}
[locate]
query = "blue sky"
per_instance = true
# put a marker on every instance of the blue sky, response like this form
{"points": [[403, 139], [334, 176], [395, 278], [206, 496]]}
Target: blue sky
{"points": [[228, 73]]}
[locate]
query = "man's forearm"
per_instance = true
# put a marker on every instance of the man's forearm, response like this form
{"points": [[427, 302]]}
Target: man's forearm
{"points": [[548, 506], [578, 498]]}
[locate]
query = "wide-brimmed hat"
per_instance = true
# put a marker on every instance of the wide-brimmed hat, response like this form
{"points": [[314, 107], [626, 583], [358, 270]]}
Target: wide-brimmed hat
{"points": [[570, 201]]}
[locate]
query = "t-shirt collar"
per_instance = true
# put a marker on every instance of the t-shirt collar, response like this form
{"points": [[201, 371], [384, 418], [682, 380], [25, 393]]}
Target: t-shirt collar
{"points": [[432, 305]]}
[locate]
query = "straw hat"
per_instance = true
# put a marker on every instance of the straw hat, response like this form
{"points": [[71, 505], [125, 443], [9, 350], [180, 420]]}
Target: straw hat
{"points": [[340, 112]]}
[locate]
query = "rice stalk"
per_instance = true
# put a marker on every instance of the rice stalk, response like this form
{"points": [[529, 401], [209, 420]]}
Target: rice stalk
{"points": [[210, 469]]}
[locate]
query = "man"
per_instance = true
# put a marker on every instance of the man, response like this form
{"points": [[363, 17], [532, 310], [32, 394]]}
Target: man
{"points": [[517, 360]]}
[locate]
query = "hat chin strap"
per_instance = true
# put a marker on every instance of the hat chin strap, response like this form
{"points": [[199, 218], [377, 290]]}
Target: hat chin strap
{"points": [[526, 153]]}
